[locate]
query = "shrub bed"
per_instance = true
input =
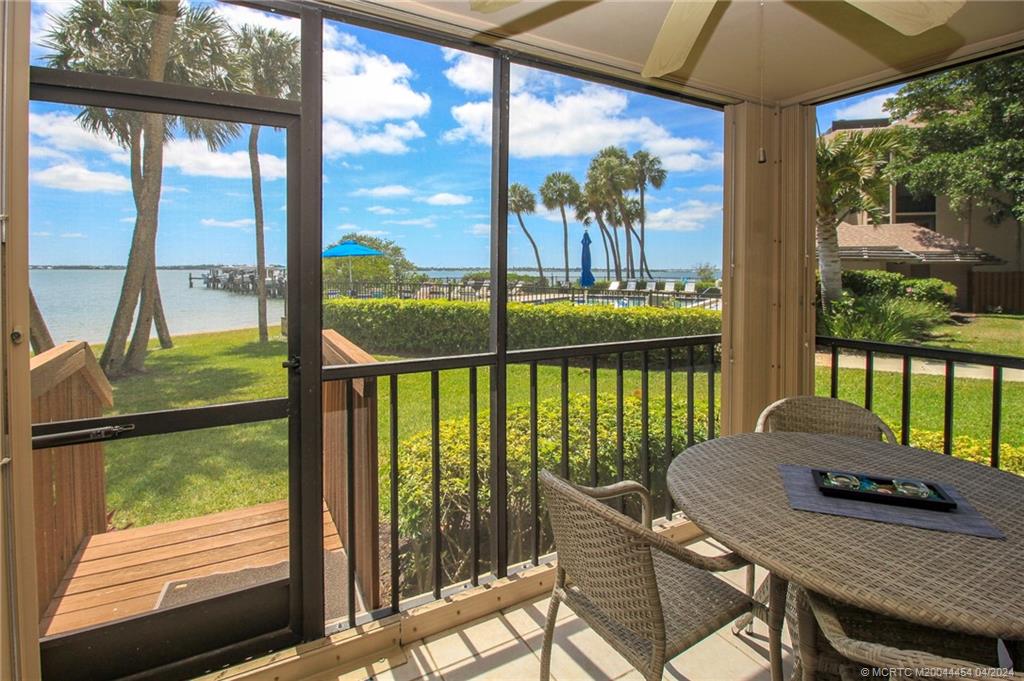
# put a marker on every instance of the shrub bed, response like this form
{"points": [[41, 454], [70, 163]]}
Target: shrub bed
{"points": [[895, 285], [444, 327], [414, 492]]}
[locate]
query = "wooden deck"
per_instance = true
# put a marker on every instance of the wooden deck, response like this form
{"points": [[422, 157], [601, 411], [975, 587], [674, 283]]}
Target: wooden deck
{"points": [[123, 573]]}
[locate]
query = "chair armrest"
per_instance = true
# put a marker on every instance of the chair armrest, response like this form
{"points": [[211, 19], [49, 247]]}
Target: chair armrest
{"points": [[620, 489], [729, 561], [877, 654]]}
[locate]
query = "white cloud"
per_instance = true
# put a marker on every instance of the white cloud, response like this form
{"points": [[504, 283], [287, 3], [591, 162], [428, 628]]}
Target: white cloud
{"points": [[348, 227], [42, 235], [342, 138], [241, 223], [480, 229], [130, 221], [77, 178], [381, 210], [374, 232], [690, 216], [581, 122], [710, 188], [194, 158], [237, 16], [870, 107], [369, 101], [469, 72], [448, 199], [56, 134], [427, 222], [72, 235], [383, 191]]}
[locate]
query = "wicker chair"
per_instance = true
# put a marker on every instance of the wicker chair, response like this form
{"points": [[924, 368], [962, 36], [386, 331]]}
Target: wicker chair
{"points": [[811, 414], [840, 642], [648, 597]]}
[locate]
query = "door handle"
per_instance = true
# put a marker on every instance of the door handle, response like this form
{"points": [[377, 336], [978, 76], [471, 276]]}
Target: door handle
{"points": [[294, 363]]}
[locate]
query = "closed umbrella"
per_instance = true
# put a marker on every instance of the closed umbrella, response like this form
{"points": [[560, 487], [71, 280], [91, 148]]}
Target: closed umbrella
{"points": [[349, 249], [586, 275]]}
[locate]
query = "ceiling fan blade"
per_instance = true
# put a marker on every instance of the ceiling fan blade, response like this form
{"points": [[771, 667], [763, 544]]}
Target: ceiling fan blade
{"points": [[910, 17], [489, 6], [677, 36]]}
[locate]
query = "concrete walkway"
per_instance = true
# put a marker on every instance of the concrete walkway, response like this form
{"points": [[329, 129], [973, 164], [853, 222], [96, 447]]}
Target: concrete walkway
{"points": [[918, 366]]}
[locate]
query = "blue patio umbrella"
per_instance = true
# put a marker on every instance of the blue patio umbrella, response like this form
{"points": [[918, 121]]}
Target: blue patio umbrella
{"points": [[586, 276], [349, 249]]}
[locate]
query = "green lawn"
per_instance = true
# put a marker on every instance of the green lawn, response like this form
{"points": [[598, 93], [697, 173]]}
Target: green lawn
{"points": [[166, 477], [999, 334]]}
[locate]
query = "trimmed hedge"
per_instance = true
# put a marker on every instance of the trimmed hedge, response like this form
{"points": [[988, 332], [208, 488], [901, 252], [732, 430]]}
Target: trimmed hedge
{"points": [[895, 285], [450, 327], [415, 474]]}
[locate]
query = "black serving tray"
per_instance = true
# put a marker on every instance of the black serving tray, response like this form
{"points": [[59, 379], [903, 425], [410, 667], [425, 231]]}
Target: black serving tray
{"points": [[939, 500]]}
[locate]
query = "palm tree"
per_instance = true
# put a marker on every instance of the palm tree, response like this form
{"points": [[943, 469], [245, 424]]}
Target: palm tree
{"points": [[648, 171], [521, 200], [598, 200], [850, 179], [269, 66], [156, 41], [589, 209], [558, 191], [614, 173]]}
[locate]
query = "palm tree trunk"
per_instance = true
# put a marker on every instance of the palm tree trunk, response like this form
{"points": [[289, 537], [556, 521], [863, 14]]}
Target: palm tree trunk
{"points": [[159, 318], [135, 358], [536, 251], [829, 265], [607, 256], [643, 236], [618, 254], [257, 204], [38, 334], [607, 234], [565, 241], [630, 267], [147, 203]]}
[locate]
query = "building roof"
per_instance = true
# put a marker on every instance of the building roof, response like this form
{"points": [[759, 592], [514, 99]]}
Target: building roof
{"points": [[906, 242]]}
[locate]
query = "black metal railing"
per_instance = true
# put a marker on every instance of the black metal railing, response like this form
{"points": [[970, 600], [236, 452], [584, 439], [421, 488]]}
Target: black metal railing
{"points": [[538, 295], [601, 422], [939, 362]]}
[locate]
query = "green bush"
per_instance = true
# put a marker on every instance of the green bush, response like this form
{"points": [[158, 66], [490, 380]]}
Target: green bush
{"points": [[1011, 458], [444, 327], [414, 493], [881, 318], [873, 282], [894, 285], [931, 291]]}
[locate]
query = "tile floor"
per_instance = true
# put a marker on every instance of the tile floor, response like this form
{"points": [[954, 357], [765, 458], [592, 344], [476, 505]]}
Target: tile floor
{"points": [[506, 646]]}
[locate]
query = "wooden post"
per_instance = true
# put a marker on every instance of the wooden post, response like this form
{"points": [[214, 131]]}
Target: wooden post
{"points": [[339, 350], [768, 262], [19, 615]]}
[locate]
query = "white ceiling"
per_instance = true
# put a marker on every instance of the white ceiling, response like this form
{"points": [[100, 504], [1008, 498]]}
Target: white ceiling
{"points": [[811, 50]]}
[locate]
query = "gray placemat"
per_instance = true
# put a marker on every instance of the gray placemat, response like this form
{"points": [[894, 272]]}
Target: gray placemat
{"points": [[804, 495]]}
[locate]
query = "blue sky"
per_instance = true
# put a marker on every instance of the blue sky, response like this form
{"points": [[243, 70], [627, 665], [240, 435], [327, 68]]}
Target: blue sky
{"points": [[406, 157]]}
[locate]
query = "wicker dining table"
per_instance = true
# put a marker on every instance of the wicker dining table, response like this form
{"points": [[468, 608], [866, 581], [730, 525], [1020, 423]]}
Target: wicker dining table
{"points": [[732, 489]]}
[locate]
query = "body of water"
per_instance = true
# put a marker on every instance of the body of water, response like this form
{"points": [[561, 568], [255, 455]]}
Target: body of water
{"points": [[80, 304]]}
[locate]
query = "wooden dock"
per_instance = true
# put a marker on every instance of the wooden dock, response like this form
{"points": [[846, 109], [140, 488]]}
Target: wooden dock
{"points": [[123, 573]]}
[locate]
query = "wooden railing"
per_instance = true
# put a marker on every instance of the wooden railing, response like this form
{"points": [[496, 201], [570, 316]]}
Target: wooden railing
{"points": [[70, 484], [366, 553], [1004, 290]]}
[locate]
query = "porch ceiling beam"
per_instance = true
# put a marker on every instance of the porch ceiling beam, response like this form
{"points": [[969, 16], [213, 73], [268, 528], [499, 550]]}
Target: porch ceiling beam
{"points": [[677, 37], [910, 17]]}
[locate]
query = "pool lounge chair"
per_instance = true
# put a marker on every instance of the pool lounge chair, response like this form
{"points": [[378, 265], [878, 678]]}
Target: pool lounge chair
{"points": [[614, 286], [630, 286], [670, 287], [690, 288]]}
